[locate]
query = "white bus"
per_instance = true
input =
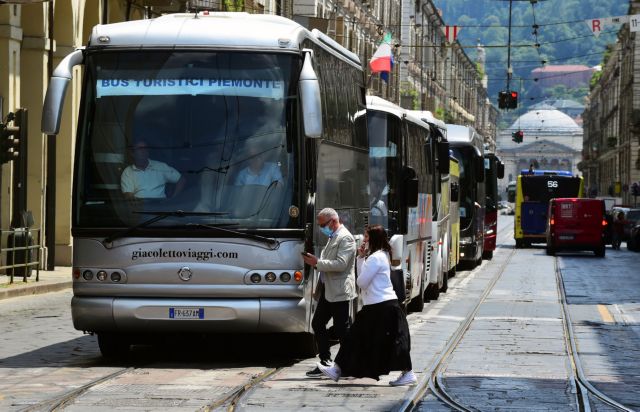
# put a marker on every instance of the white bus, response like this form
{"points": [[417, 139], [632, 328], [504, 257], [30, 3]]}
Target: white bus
{"points": [[250, 122], [403, 182], [441, 221]]}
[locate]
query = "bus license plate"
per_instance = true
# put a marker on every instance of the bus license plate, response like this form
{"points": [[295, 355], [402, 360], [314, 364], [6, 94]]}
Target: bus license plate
{"points": [[565, 237], [186, 313]]}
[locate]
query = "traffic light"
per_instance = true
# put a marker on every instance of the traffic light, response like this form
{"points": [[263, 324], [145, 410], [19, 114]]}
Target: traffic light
{"points": [[517, 136], [503, 101], [513, 99], [508, 99], [12, 136], [635, 189]]}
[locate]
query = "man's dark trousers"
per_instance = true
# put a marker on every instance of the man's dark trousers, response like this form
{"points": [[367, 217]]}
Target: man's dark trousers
{"points": [[326, 310]]}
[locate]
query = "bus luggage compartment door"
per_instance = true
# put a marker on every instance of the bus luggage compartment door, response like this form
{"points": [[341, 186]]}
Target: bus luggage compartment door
{"points": [[534, 218]]}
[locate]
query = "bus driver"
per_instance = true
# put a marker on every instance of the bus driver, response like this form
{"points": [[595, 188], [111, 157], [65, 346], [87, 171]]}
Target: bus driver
{"points": [[259, 171], [146, 178]]}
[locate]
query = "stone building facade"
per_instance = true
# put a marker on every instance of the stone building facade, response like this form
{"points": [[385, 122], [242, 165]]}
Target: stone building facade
{"points": [[439, 76], [611, 149]]}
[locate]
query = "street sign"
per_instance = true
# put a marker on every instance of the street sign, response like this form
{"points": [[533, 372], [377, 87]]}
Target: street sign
{"points": [[634, 23], [599, 25]]}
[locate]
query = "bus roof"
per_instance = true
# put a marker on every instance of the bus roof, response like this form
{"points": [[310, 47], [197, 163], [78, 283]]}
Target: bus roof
{"points": [[380, 104], [465, 136], [212, 30], [428, 117], [526, 172]]}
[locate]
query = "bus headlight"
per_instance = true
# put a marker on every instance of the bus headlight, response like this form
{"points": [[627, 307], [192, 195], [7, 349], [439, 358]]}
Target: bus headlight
{"points": [[466, 240]]}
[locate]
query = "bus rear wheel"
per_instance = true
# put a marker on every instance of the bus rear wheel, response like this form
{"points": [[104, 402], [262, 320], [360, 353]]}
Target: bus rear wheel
{"points": [[487, 255], [417, 303], [112, 345]]}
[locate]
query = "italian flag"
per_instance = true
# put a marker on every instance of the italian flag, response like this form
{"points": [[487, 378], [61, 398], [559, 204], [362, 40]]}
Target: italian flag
{"points": [[382, 60]]}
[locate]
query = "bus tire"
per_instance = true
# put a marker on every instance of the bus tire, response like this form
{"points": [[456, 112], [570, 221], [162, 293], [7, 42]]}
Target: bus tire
{"points": [[417, 304], [112, 345], [488, 255], [452, 272], [600, 252], [432, 292], [445, 283], [519, 243], [550, 250]]}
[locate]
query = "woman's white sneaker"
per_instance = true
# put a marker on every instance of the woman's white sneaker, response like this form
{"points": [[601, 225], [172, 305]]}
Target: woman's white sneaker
{"points": [[405, 378], [332, 372]]}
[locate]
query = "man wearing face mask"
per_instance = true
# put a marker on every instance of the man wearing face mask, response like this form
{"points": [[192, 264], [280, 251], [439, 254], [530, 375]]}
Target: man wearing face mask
{"points": [[336, 284]]}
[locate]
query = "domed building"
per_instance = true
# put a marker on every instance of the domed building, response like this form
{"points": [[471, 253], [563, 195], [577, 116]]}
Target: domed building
{"points": [[552, 140]]}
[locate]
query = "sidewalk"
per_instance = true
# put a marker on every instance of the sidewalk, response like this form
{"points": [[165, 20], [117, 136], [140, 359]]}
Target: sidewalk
{"points": [[50, 281]]}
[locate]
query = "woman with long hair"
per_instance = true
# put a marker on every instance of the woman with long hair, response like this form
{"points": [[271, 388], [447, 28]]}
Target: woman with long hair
{"points": [[378, 341]]}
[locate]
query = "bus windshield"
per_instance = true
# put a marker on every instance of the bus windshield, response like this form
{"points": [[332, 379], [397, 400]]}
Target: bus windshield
{"points": [[384, 167], [491, 183], [209, 132], [468, 191]]}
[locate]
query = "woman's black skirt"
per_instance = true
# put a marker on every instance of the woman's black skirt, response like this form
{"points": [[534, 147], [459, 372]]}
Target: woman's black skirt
{"points": [[378, 342]]}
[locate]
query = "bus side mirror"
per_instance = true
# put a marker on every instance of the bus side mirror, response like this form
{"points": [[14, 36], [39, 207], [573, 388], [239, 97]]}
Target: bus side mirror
{"points": [[56, 92], [500, 173], [310, 98], [443, 157], [479, 168], [455, 192]]}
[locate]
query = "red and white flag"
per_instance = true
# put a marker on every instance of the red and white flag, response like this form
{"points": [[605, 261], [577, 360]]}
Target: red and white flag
{"points": [[451, 33]]}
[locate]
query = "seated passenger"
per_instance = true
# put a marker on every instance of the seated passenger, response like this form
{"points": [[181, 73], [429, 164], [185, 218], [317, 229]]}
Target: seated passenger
{"points": [[146, 178], [259, 171]]}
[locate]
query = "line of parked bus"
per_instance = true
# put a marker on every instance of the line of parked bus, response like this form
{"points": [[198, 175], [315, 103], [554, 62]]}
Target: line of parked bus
{"points": [[202, 91]]}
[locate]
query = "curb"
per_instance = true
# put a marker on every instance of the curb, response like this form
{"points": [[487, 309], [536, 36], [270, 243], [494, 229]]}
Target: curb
{"points": [[35, 289]]}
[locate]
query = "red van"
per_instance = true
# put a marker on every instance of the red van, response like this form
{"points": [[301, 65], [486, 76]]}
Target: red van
{"points": [[576, 224]]}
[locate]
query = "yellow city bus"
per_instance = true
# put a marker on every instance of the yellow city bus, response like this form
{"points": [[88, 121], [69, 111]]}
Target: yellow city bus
{"points": [[534, 189], [454, 214]]}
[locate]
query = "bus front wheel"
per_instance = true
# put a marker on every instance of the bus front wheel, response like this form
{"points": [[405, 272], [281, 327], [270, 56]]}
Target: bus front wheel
{"points": [[519, 243]]}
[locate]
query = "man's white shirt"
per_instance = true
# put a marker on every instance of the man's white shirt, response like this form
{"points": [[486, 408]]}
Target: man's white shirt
{"points": [[270, 173], [148, 183]]}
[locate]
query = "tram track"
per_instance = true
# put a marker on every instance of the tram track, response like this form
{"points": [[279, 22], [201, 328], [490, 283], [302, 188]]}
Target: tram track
{"points": [[58, 403], [433, 379], [227, 401], [233, 399], [585, 388]]}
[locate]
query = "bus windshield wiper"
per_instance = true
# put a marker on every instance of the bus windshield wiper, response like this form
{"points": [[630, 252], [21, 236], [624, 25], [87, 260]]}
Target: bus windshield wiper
{"points": [[271, 242], [157, 216]]}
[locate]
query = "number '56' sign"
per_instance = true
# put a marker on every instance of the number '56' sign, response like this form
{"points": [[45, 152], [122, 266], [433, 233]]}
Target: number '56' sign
{"points": [[552, 183]]}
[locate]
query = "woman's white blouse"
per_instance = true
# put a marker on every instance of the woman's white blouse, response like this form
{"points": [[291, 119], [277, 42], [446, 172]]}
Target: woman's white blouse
{"points": [[374, 278]]}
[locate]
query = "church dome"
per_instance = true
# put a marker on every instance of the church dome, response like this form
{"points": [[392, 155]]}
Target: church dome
{"points": [[546, 118]]}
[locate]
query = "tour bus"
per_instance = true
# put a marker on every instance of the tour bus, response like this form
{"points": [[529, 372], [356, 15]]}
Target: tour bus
{"points": [[402, 184], [249, 117], [493, 170], [534, 189], [468, 148], [454, 215], [440, 249]]}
